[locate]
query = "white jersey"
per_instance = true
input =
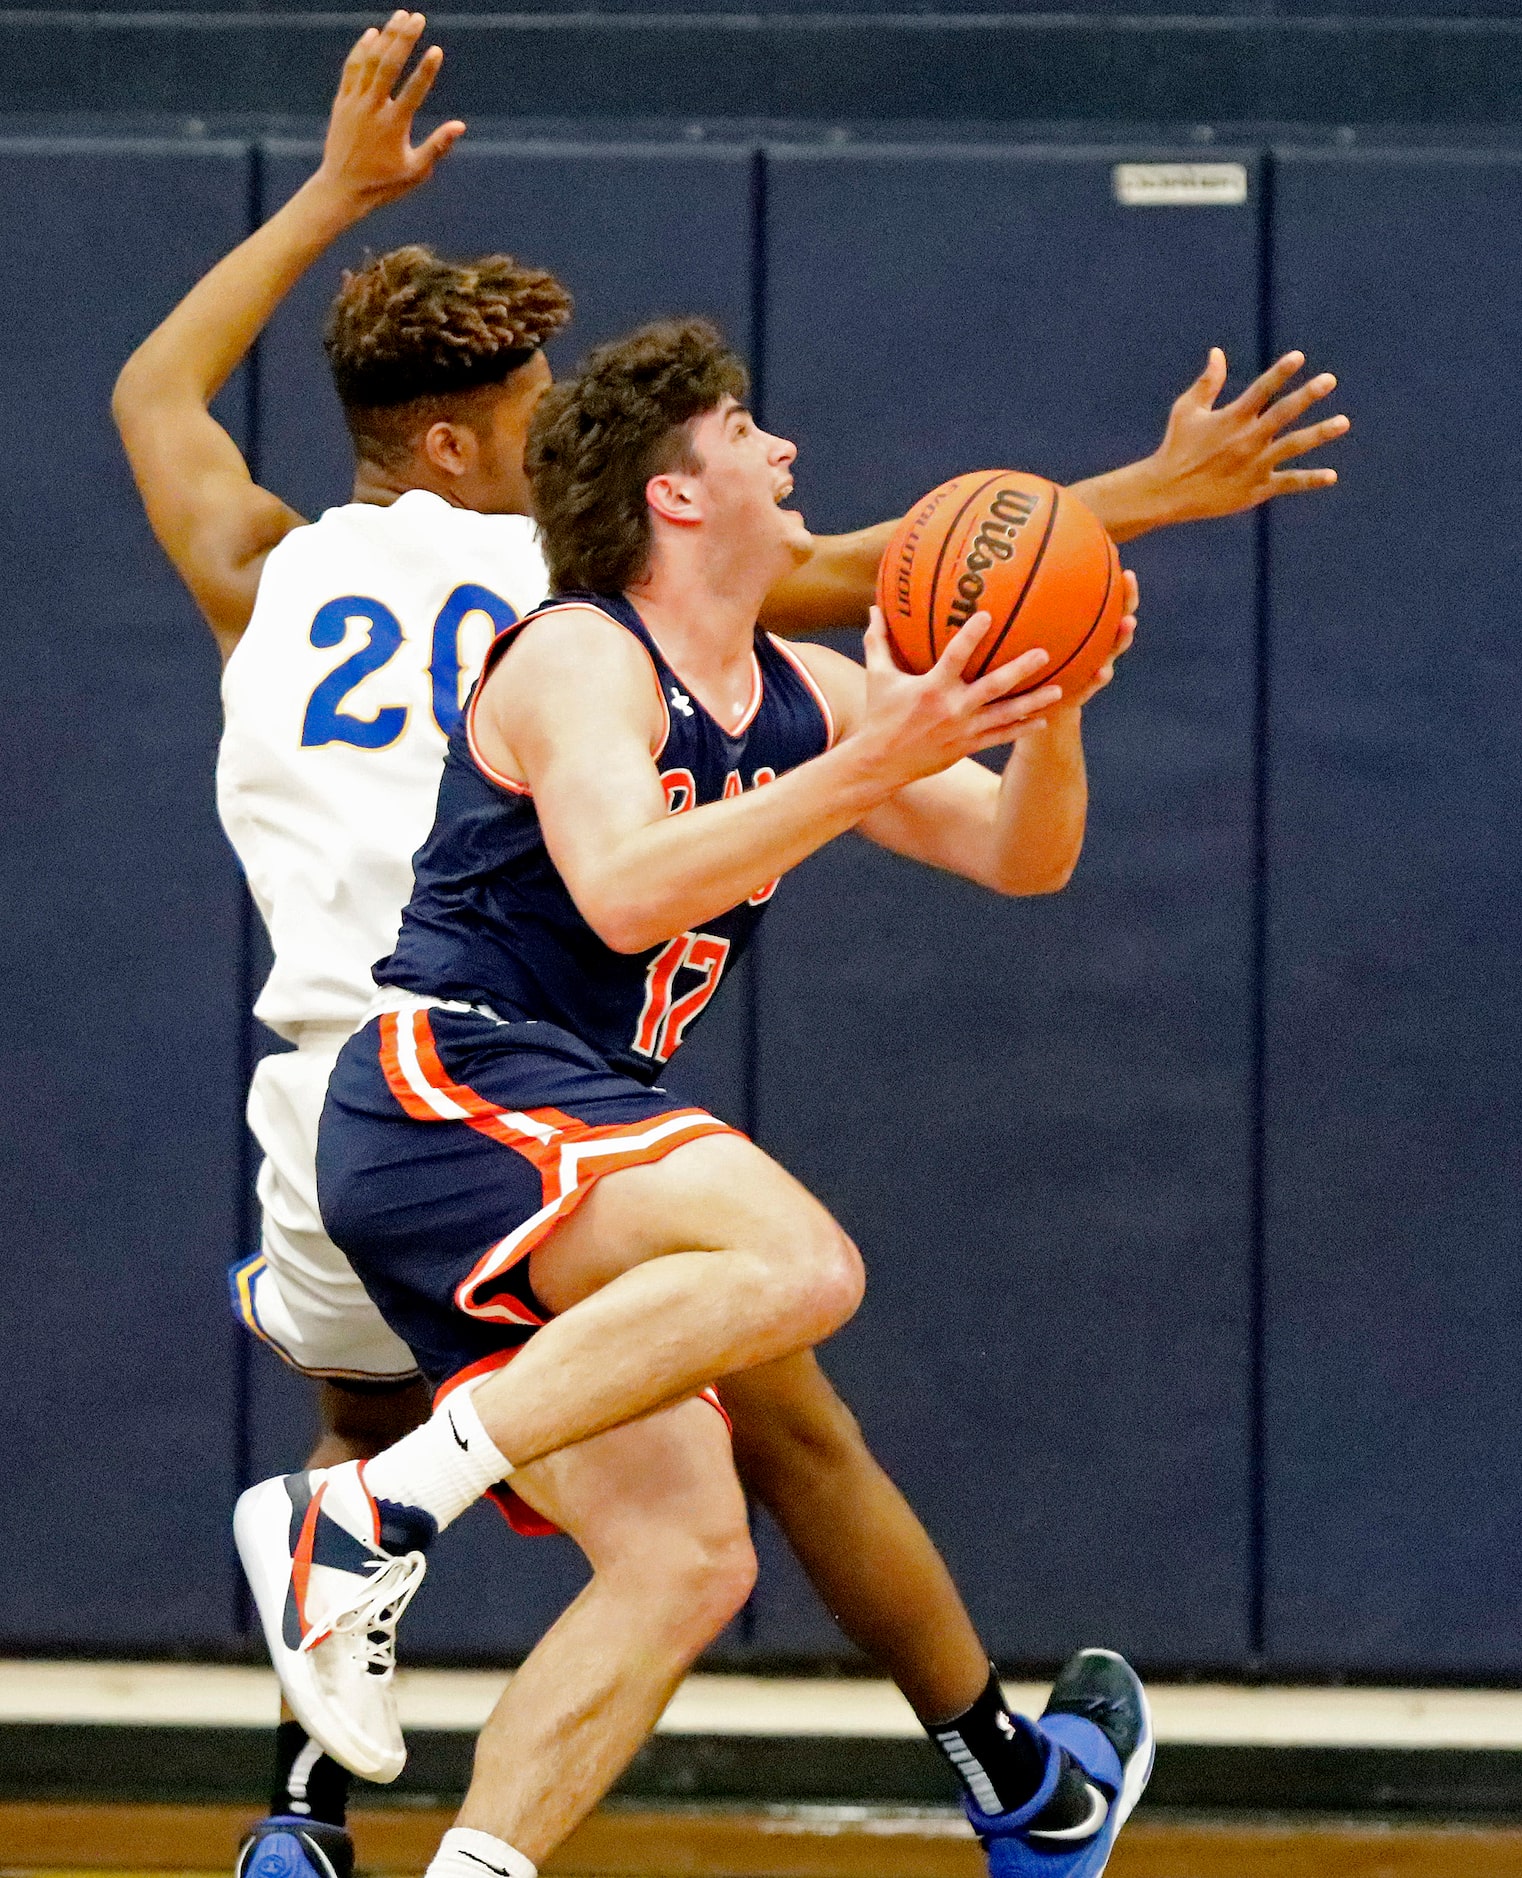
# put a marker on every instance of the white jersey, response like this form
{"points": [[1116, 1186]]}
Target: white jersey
{"points": [[368, 630]]}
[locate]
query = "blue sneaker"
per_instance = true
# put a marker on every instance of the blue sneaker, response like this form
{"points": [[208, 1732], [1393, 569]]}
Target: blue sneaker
{"points": [[1097, 1719], [288, 1846]]}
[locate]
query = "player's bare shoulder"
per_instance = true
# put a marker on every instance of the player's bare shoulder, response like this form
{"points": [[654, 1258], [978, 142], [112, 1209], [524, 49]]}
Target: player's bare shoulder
{"points": [[570, 673], [220, 553], [569, 644]]}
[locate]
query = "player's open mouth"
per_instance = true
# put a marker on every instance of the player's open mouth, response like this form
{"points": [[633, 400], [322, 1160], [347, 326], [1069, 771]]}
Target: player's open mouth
{"points": [[782, 494]]}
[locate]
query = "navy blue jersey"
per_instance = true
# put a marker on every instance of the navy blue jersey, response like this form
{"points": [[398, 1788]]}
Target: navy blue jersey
{"points": [[490, 920]]}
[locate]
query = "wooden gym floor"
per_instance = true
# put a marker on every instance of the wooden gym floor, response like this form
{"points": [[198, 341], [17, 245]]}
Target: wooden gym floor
{"points": [[65, 1840]]}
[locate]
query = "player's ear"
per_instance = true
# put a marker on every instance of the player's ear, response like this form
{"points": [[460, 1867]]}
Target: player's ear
{"points": [[452, 448], [673, 497]]}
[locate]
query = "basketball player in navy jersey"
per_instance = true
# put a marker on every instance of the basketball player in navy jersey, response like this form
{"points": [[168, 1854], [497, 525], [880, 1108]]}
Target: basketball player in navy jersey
{"points": [[801, 1451], [574, 1256]]}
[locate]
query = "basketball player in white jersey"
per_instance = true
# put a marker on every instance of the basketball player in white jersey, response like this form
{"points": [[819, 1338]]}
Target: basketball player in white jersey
{"points": [[349, 643]]}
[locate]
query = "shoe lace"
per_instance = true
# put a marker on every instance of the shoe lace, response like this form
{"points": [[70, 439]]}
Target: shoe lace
{"points": [[374, 1611]]}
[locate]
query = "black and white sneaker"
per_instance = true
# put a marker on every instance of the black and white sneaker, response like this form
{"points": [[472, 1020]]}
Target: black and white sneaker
{"points": [[332, 1570]]}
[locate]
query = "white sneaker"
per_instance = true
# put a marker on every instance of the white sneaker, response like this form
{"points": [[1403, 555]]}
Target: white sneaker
{"points": [[330, 1585]]}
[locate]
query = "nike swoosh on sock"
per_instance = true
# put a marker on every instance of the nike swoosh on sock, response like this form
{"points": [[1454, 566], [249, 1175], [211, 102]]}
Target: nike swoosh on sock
{"points": [[484, 1863]]}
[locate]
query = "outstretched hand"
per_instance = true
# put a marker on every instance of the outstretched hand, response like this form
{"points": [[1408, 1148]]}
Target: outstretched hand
{"points": [[369, 156], [1219, 460]]}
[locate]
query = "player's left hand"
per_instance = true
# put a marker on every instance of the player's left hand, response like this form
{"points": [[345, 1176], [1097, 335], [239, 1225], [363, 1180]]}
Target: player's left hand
{"points": [[1125, 633], [369, 157], [1218, 460]]}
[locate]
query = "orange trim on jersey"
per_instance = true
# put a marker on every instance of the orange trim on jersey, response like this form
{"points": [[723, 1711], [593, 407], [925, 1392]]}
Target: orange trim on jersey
{"points": [[494, 653], [813, 684], [757, 693], [511, 784]]}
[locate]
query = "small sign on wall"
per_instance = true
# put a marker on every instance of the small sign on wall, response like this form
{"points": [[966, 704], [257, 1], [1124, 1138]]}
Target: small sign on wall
{"points": [[1180, 185]]}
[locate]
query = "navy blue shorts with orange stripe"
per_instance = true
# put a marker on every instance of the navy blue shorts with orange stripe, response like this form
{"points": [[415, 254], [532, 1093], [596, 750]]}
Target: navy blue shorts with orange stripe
{"points": [[452, 1143]]}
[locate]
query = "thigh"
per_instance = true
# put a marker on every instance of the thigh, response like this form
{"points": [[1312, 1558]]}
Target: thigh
{"points": [[627, 1491], [712, 1195]]}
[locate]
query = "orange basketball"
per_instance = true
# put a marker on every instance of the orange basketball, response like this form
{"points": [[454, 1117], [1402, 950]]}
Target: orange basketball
{"points": [[1019, 549]]}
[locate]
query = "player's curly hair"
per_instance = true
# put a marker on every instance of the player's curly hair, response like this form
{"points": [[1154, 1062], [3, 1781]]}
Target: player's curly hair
{"points": [[598, 437], [410, 333]]}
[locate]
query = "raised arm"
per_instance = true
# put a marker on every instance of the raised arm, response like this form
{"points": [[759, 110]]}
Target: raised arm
{"points": [[1218, 460], [1213, 460], [570, 711], [211, 518]]}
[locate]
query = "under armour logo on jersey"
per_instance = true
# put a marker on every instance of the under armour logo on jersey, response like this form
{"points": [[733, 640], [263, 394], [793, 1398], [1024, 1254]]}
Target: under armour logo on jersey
{"points": [[682, 702]]}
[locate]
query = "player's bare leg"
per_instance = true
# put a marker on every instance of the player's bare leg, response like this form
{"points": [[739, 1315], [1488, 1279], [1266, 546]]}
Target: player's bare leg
{"points": [[358, 1421], [669, 1276], [880, 1576], [659, 1514], [801, 1453]]}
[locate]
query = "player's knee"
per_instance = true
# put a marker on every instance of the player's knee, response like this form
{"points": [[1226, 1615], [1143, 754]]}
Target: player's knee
{"points": [[830, 1281], [790, 1447], [715, 1572], [692, 1578]]}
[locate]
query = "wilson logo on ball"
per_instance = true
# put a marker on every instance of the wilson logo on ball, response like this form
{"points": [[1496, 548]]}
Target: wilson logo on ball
{"points": [[1010, 510], [1018, 548]]}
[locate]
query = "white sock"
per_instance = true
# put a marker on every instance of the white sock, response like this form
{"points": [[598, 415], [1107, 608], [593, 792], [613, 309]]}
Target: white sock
{"points": [[465, 1853], [443, 1467]]}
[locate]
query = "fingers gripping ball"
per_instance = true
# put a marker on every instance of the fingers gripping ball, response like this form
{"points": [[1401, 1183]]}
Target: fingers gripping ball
{"points": [[1019, 549]]}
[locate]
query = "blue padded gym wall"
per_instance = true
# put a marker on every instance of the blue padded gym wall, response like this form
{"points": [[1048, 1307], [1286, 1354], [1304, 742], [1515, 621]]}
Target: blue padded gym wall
{"points": [[1394, 990], [1034, 1116], [123, 1059], [635, 232], [1038, 1117]]}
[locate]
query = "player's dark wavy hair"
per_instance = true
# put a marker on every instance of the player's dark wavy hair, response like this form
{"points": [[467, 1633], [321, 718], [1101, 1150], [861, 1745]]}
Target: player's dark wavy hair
{"points": [[598, 437], [410, 336]]}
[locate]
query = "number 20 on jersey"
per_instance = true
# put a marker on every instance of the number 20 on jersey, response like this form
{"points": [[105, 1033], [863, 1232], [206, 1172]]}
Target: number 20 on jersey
{"points": [[327, 722]]}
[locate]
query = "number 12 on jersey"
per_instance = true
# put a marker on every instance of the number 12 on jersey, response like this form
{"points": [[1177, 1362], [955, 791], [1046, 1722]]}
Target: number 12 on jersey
{"points": [[666, 1016]]}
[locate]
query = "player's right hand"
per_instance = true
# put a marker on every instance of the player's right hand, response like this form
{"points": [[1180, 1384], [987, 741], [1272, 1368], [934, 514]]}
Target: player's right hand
{"points": [[369, 157], [921, 725]]}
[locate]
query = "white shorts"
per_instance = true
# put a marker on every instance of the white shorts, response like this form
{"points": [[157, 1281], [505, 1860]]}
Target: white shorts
{"points": [[298, 1293]]}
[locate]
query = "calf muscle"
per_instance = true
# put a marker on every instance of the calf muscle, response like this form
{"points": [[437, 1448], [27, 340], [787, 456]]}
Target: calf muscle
{"points": [[877, 1570]]}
